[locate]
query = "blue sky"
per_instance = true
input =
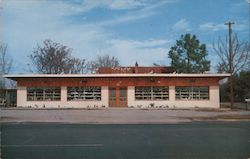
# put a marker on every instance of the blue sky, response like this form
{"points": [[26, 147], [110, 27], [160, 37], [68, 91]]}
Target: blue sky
{"points": [[132, 30]]}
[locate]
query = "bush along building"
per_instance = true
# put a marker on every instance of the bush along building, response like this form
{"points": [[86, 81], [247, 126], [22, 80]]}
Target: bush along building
{"points": [[137, 87]]}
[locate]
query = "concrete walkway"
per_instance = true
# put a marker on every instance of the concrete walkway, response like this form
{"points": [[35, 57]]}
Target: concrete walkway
{"points": [[110, 115]]}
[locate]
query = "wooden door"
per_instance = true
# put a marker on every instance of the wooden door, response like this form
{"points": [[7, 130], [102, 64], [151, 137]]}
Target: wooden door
{"points": [[112, 97], [123, 97], [118, 97]]}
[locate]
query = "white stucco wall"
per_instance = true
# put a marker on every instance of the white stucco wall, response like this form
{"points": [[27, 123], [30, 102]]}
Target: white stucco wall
{"points": [[21, 96], [22, 100], [213, 102]]}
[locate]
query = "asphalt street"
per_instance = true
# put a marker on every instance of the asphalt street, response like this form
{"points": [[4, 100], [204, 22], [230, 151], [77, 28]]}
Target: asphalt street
{"points": [[192, 140]]}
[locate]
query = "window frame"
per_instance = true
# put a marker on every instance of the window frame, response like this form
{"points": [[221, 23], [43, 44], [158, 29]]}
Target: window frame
{"points": [[83, 91], [191, 94], [43, 94], [150, 93]]}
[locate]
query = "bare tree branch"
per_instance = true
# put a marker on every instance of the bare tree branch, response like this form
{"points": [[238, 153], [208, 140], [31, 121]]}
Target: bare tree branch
{"points": [[241, 54], [5, 64], [102, 61], [54, 58]]}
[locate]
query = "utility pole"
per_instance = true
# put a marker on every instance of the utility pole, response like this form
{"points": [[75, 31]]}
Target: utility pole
{"points": [[230, 62], [249, 21]]}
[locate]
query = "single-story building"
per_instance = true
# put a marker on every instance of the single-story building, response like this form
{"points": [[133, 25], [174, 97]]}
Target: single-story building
{"points": [[119, 87]]}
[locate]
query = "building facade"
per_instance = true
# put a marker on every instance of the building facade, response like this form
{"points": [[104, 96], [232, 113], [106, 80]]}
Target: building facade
{"points": [[137, 87]]}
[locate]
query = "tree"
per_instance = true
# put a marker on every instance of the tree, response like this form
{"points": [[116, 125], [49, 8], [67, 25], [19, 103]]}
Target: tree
{"points": [[5, 64], [102, 61], [77, 66], [188, 55], [54, 58], [240, 58], [241, 87], [238, 61]]}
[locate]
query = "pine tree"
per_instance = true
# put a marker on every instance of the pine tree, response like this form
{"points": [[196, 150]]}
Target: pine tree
{"points": [[188, 55]]}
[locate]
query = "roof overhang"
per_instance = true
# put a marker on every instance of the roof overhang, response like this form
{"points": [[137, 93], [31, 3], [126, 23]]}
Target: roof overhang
{"points": [[176, 75]]}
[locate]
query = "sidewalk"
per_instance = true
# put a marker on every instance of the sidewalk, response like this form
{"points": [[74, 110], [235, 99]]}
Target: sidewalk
{"points": [[119, 115]]}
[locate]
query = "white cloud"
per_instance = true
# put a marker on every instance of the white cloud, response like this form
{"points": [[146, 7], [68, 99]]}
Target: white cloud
{"points": [[26, 24], [128, 17], [64, 8], [111, 4], [57, 11], [239, 6], [127, 4], [131, 4], [145, 52], [213, 27], [210, 26], [181, 25], [140, 44], [146, 11], [87, 5], [241, 25]]}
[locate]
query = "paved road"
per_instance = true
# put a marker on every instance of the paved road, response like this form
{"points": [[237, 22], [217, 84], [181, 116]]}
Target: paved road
{"points": [[194, 140]]}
